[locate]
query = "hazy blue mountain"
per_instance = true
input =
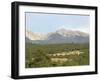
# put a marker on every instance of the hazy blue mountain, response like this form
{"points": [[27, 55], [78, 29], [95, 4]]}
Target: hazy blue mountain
{"points": [[59, 36]]}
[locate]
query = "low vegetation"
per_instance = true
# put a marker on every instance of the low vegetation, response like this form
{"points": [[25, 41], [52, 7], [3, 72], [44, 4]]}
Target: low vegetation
{"points": [[52, 55]]}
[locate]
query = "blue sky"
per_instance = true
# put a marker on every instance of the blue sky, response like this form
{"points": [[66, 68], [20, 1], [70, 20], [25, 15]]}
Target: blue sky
{"points": [[45, 23]]}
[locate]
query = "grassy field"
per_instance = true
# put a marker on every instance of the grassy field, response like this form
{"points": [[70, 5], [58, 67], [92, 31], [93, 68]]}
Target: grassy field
{"points": [[53, 55]]}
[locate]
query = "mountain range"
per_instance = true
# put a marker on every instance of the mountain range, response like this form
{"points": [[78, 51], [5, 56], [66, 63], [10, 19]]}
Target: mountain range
{"points": [[59, 36]]}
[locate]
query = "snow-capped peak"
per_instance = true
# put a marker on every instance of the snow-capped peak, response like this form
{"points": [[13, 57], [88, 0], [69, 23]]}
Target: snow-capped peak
{"points": [[64, 32]]}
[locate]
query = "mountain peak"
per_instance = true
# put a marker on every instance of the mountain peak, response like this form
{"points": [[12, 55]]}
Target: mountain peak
{"points": [[61, 29], [34, 36], [61, 35], [65, 32]]}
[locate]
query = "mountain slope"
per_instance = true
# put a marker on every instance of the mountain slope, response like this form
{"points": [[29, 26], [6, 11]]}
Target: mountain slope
{"points": [[59, 36], [34, 36]]}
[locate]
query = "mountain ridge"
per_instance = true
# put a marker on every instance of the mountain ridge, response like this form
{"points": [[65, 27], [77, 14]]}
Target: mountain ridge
{"points": [[58, 36]]}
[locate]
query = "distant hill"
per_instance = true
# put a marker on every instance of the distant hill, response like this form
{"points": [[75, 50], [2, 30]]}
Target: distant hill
{"points": [[59, 36]]}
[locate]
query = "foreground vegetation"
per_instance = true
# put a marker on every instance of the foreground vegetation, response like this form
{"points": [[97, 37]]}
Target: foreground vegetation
{"points": [[52, 55]]}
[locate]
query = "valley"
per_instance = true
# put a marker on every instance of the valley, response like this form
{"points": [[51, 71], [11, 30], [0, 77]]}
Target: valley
{"points": [[58, 48], [54, 55]]}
